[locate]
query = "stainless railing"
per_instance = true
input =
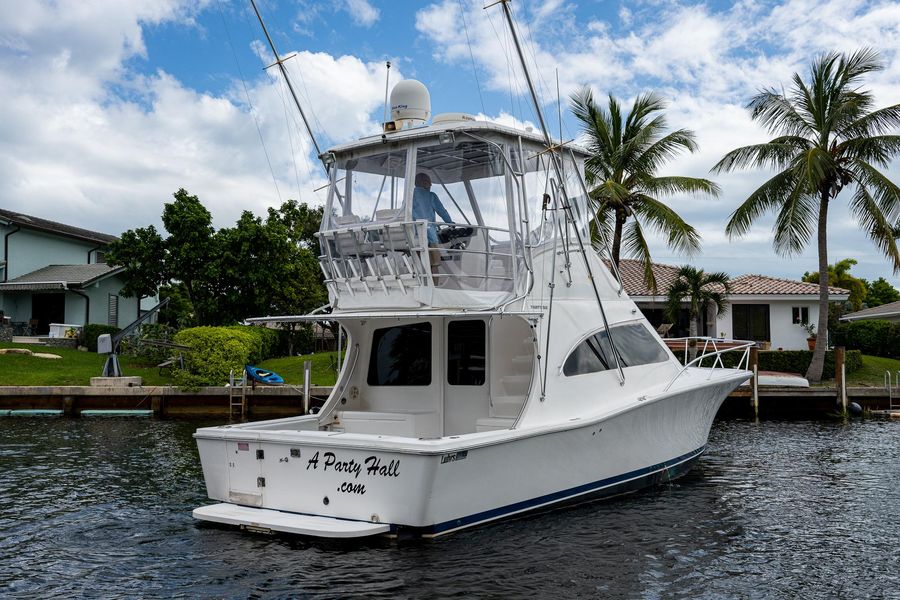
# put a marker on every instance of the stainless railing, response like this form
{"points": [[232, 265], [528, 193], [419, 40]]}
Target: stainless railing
{"points": [[394, 255], [711, 349]]}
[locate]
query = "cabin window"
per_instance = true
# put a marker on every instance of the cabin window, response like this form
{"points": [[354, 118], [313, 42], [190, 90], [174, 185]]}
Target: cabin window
{"points": [[401, 355], [636, 346], [466, 350]]}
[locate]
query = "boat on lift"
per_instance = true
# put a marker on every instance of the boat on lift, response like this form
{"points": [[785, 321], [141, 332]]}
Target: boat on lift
{"points": [[495, 366]]}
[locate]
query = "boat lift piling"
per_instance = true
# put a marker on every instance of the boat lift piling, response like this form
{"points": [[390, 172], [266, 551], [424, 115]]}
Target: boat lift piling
{"points": [[754, 381]]}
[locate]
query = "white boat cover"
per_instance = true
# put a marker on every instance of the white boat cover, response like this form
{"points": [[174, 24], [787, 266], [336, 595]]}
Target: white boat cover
{"points": [[276, 520]]}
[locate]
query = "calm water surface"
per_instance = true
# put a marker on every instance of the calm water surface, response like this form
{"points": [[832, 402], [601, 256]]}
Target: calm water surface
{"points": [[101, 508]]}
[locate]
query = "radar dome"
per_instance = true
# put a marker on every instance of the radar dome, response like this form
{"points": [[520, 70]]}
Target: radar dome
{"points": [[410, 103]]}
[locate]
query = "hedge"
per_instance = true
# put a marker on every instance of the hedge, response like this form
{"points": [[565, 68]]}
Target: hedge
{"points": [[793, 361], [875, 338], [216, 351], [94, 330]]}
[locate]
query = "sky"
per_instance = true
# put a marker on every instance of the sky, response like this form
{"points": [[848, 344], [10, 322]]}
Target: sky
{"points": [[108, 107]]}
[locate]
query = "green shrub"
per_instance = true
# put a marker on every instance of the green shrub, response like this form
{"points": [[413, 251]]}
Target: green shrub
{"points": [[217, 351], [875, 338], [92, 331]]}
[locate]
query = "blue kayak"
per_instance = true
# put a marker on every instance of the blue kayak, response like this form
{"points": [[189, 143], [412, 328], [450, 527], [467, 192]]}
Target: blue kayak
{"points": [[262, 376]]}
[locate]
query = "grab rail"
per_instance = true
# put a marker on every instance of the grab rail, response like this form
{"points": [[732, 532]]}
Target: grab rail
{"points": [[716, 353]]}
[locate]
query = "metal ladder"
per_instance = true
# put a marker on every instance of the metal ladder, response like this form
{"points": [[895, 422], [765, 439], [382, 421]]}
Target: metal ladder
{"points": [[237, 394], [892, 390]]}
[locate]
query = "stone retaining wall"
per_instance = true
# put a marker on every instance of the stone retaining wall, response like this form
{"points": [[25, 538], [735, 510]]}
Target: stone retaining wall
{"points": [[6, 333], [62, 342]]}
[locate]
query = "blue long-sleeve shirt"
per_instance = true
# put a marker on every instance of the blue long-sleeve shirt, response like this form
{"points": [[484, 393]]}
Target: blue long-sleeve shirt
{"points": [[425, 206]]}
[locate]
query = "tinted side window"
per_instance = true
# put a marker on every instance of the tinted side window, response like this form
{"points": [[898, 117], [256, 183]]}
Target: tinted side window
{"points": [[635, 344], [401, 355], [466, 353]]}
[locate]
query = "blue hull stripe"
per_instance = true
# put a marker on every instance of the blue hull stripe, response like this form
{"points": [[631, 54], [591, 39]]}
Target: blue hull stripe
{"points": [[562, 495]]}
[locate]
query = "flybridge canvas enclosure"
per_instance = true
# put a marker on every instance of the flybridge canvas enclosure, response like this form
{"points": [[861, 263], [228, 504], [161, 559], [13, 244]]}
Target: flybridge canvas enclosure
{"points": [[442, 218]]}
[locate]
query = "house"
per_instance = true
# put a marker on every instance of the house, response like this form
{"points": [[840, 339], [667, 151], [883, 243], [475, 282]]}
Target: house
{"points": [[760, 308], [51, 273], [885, 312]]}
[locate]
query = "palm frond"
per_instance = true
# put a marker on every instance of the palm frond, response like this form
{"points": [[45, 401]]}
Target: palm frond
{"points": [[879, 149], [879, 229], [765, 198], [664, 149], [777, 154], [636, 245], [778, 114], [675, 184], [680, 236], [795, 222], [884, 192], [876, 122]]}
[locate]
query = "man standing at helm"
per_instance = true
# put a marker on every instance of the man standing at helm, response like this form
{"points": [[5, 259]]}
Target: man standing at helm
{"points": [[426, 205]]}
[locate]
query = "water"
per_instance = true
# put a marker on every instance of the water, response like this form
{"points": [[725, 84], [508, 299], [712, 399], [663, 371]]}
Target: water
{"points": [[101, 508]]}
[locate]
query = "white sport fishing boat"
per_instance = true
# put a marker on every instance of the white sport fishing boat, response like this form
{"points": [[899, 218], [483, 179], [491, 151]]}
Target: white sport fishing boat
{"points": [[495, 365]]}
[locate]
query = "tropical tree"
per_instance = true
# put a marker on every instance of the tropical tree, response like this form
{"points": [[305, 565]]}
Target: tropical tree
{"points": [[881, 292], [699, 289], [627, 151], [829, 137], [839, 275]]}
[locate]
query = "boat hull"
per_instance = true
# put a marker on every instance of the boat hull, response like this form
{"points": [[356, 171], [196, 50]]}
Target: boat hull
{"points": [[436, 487]]}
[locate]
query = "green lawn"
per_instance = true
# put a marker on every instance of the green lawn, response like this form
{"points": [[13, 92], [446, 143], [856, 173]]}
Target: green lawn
{"points": [[75, 367], [872, 371], [291, 368]]}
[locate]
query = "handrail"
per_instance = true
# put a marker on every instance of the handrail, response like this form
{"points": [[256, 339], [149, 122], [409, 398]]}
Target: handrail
{"points": [[716, 353], [339, 390]]}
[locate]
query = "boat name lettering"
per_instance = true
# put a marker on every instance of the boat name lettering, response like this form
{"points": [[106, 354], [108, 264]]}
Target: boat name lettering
{"points": [[373, 465], [461, 455], [352, 488]]}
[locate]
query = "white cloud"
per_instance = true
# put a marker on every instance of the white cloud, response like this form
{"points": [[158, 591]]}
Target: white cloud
{"points": [[78, 153], [362, 12]]}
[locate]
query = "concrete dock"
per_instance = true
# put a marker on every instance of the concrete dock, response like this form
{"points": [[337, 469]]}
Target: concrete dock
{"points": [[283, 401]]}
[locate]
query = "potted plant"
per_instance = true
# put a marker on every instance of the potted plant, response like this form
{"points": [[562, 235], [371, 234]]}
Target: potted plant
{"points": [[810, 330]]}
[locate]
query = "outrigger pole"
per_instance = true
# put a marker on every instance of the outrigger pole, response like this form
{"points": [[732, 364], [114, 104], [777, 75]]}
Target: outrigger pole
{"points": [[280, 62], [557, 167]]}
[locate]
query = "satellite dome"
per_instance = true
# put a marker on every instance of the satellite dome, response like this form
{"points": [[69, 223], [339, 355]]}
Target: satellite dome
{"points": [[410, 103]]}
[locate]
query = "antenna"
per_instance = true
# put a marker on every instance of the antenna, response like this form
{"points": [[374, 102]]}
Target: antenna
{"points": [[387, 84], [280, 62]]}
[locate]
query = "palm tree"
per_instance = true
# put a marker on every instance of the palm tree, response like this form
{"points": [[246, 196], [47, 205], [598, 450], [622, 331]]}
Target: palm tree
{"points": [[626, 153], [700, 289], [828, 137]]}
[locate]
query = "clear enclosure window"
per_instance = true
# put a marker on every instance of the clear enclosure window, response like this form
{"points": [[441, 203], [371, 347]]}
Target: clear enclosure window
{"points": [[401, 355], [370, 188], [466, 351], [636, 346], [468, 178]]}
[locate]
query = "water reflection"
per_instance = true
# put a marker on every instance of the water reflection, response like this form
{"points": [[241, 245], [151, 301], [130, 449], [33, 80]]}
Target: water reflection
{"points": [[773, 510]]}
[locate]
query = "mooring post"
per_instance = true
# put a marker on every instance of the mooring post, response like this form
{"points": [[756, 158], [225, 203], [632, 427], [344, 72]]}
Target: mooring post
{"points": [[754, 381], [70, 406], [307, 367], [840, 376]]}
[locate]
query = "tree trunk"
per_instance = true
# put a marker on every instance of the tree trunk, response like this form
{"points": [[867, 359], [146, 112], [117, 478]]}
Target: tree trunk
{"points": [[617, 236], [814, 373]]}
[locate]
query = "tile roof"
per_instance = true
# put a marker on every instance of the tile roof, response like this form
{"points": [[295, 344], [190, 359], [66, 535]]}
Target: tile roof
{"points": [[60, 277], [750, 285], [54, 227], [885, 310]]}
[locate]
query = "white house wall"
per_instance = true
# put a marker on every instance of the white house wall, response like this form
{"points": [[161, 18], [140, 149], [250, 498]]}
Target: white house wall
{"points": [[99, 294], [784, 333]]}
